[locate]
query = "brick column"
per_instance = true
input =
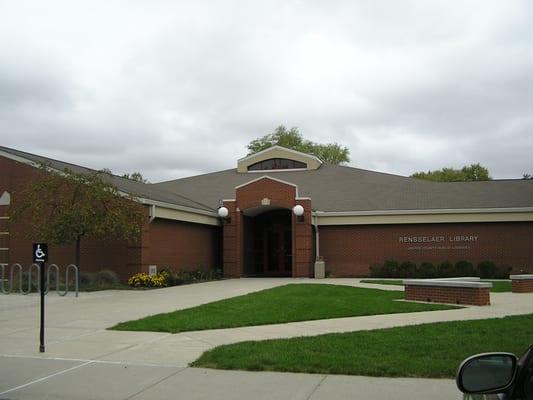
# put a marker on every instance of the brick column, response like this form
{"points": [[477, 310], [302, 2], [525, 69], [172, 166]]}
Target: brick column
{"points": [[302, 248], [232, 242]]}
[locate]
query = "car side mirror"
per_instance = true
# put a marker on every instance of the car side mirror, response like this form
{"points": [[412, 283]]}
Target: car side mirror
{"points": [[487, 373]]}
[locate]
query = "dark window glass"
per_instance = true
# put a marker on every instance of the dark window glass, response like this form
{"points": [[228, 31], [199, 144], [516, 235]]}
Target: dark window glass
{"points": [[276, 163]]}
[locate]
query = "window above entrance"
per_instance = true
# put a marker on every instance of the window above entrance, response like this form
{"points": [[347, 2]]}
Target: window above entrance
{"points": [[277, 158], [277, 163]]}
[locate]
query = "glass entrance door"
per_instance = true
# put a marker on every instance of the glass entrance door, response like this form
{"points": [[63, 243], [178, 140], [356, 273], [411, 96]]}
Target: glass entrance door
{"points": [[267, 243], [278, 242]]}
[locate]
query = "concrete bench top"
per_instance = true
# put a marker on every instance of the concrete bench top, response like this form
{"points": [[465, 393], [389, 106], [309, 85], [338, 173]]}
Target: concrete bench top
{"points": [[521, 277], [461, 279], [469, 282]]}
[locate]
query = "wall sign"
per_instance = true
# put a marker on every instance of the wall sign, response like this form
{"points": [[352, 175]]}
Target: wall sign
{"points": [[438, 238], [438, 241]]}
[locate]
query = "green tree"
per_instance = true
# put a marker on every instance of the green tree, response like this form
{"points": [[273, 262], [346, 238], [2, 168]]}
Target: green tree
{"points": [[65, 207], [135, 176], [332, 153], [473, 172], [527, 176]]}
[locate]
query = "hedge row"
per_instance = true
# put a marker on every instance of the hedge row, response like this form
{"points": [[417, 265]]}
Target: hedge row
{"points": [[408, 269]]}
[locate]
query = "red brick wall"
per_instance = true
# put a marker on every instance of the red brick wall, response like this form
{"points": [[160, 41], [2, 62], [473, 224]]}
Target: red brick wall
{"points": [[350, 250], [4, 228], [522, 285], [109, 253], [451, 295], [181, 246], [280, 195]]}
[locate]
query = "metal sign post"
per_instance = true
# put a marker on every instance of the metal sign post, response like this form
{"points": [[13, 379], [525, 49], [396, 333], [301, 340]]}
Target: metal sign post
{"points": [[40, 256]]}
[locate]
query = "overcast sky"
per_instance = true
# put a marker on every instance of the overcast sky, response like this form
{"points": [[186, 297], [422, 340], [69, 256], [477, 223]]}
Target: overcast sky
{"points": [[174, 88]]}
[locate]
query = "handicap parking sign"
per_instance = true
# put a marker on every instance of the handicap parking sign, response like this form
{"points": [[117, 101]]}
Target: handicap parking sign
{"points": [[40, 252]]}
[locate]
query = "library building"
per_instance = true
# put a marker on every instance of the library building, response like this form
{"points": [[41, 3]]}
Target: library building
{"points": [[281, 212]]}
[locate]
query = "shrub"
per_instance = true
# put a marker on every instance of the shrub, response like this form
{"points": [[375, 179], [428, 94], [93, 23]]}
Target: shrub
{"points": [[192, 276], [464, 268], [390, 269], [143, 280], [218, 273], [487, 269], [377, 270], [445, 269], [105, 277], [200, 275], [406, 269], [426, 270], [85, 279], [171, 277], [503, 272]]}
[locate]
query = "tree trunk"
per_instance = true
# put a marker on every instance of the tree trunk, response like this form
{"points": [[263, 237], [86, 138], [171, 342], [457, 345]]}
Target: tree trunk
{"points": [[78, 252]]}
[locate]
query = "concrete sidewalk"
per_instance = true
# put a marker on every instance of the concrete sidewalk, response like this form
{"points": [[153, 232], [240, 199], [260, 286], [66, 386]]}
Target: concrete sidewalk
{"points": [[36, 379], [78, 344]]}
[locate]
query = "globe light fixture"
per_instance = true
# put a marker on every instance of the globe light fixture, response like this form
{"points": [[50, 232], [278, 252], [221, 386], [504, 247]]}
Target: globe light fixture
{"points": [[298, 210], [223, 212]]}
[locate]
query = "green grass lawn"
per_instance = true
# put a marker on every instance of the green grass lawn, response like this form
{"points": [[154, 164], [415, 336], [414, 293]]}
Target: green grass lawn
{"points": [[293, 302], [429, 350], [497, 286]]}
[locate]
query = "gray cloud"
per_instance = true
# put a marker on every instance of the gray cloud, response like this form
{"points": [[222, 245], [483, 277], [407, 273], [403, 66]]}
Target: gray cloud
{"points": [[173, 88]]}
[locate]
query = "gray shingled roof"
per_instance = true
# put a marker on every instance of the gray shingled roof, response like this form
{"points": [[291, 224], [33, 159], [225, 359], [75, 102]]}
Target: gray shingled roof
{"points": [[339, 188], [139, 189], [331, 188]]}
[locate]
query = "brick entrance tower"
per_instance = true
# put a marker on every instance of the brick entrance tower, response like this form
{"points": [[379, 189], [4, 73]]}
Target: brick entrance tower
{"points": [[267, 193]]}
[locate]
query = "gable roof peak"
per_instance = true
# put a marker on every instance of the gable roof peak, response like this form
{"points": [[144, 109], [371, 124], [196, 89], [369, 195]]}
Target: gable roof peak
{"points": [[276, 151]]}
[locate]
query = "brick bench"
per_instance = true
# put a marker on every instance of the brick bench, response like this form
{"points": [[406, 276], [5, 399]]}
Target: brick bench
{"points": [[468, 291], [522, 283]]}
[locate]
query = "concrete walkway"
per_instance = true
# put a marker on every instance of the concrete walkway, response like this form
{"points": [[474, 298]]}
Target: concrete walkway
{"points": [[79, 347]]}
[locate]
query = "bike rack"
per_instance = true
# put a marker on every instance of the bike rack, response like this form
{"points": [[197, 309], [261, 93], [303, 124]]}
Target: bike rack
{"points": [[52, 268], [3, 279], [76, 279], [36, 266], [57, 272]]}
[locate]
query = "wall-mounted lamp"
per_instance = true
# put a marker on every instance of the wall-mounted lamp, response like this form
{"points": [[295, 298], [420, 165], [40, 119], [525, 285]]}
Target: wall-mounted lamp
{"points": [[223, 213], [298, 210]]}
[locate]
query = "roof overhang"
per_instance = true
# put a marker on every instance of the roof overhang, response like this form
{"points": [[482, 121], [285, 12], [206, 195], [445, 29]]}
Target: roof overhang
{"points": [[436, 216], [158, 209]]}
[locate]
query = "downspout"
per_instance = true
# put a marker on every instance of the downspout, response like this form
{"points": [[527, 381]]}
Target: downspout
{"points": [[151, 213], [317, 237]]}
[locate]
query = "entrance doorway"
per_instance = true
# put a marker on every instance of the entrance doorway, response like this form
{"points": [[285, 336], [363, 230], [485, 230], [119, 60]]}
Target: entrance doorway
{"points": [[268, 244]]}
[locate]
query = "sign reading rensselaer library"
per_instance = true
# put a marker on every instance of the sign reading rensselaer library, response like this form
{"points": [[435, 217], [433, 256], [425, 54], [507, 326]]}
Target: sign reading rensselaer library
{"points": [[438, 238]]}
